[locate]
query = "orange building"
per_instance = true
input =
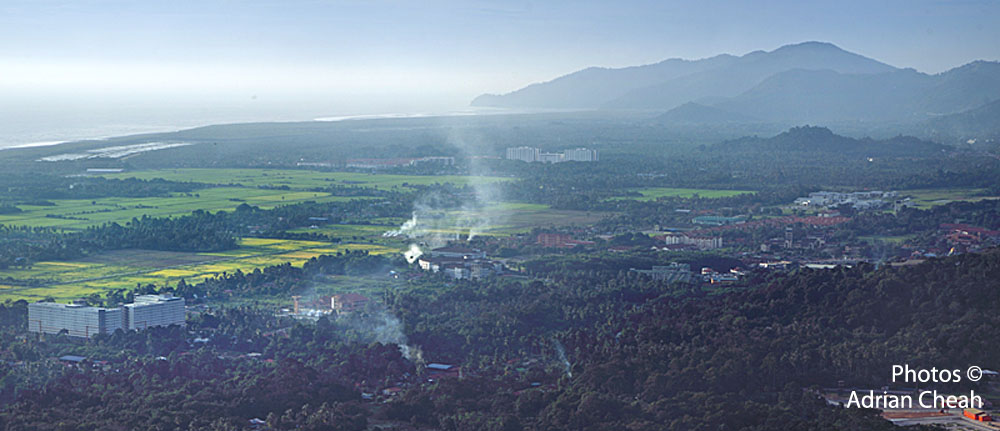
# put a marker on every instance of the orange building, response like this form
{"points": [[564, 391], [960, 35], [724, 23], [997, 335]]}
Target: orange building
{"points": [[977, 415]]}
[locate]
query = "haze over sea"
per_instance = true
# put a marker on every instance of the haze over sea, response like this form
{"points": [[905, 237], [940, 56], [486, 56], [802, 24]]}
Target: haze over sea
{"points": [[36, 124]]}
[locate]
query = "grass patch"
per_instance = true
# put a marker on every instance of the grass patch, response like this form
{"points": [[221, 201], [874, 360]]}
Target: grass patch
{"points": [[927, 198], [301, 179], [654, 193]]}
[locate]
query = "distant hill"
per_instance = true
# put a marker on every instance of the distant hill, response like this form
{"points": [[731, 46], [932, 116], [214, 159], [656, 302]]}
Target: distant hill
{"points": [[899, 96], [822, 140], [975, 124], [693, 114], [673, 82], [810, 82]]}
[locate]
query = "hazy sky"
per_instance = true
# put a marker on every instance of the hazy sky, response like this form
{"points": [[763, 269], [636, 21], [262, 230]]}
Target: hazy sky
{"points": [[438, 53]]}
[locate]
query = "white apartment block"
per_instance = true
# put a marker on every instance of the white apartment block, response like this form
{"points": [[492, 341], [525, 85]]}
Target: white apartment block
{"points": [[77, 320]]}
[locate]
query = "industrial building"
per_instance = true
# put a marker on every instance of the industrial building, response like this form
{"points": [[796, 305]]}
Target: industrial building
{"points": [[77, 320], [459, 262], [86, 321], [154, 310]]}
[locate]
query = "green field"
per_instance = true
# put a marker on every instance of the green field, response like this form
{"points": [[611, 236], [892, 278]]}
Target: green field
{"points": [[926, 198], [68, 280], [654, 193], [300, 179], [82, 213]]}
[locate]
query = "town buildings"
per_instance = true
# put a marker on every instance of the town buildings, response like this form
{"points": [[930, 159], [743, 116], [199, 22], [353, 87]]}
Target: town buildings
{"points": [[859, 200]]}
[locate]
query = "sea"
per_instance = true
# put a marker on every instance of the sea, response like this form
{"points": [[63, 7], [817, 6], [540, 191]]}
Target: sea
{"points": [[41, 125]]}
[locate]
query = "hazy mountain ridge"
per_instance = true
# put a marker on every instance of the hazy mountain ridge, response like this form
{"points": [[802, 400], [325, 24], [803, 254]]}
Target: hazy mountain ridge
{"points": [[601, 84], [823, 140], [692, 113], [745, 73], [811, 82]]}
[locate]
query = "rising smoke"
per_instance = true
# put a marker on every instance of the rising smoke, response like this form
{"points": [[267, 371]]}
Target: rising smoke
{"points": [[437, 220], [562, 358], [378, 325]]}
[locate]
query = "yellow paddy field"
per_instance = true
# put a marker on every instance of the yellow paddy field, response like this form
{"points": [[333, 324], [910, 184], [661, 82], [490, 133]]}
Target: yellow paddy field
{"points": [[126, 268]]}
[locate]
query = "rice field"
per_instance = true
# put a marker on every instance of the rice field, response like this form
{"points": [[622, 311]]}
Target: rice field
{"points": [[125, 268]]}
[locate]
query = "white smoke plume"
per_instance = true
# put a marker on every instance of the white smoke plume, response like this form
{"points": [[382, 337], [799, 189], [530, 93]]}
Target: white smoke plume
{"points": [[562, 357], [378, 325], [436, 220]]}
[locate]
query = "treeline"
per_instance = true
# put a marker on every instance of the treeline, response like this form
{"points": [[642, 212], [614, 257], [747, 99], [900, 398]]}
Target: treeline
{"points": [[200, 231], [29, 187]]}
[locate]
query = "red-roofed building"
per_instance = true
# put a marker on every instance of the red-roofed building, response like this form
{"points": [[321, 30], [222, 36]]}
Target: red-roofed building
{"points": [[348, 302], [560, 240]]}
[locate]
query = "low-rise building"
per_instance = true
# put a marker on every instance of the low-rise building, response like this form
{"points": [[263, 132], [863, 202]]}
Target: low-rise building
{"points": [[348, 302]]}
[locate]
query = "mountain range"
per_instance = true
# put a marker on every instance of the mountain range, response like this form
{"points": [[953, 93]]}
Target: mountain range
{"points": [[813, 82]]}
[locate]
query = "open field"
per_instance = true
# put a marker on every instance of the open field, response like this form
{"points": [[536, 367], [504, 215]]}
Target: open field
{"points": [[500, 219], [654, 193], [82, 213], [300, 179], [926, 198], [125, 268]]}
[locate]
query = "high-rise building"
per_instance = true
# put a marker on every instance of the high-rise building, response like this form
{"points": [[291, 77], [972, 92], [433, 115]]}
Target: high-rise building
{"points": [[525, 154], [77, 320], [580, 155], [154, 310]]}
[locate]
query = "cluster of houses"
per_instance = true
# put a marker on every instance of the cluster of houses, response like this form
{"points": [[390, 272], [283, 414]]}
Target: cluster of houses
{"points": [[459, 263], [858, 200], [681, 273]]}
